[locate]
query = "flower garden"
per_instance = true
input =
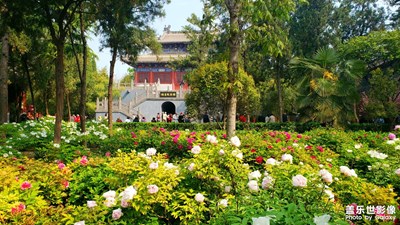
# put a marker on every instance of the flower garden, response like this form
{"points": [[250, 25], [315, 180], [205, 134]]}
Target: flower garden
{"points": [[160, 176]]}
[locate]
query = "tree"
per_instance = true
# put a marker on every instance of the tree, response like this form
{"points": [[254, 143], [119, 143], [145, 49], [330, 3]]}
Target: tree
{"points": [[259, 21], [124, 28], [328, 90], [309, 27], [358, 18], [380, 50], [208, 91]]}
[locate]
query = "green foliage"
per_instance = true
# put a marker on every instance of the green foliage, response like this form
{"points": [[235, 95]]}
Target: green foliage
{"points": [[209, 91]]}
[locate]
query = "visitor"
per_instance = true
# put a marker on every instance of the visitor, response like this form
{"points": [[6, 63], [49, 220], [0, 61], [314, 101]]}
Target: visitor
{"points": [[143, 119], [272, 118], [119, 120], [153, 120], [136, 119], [128, 120], [158, 117], [206, 119], [180, 117], [175, 118]]}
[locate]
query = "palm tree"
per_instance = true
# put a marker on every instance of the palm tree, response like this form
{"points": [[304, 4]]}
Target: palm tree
{"points": [[328, 87]]}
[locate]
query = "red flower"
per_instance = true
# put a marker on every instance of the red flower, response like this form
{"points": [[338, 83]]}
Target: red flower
{"points": [[180, 146], [320, 148], [270, 146], [253, 150], [84, 160], [309, 147], [313, 157], [259, 159], [136, 143], [65, 183], [163, 143], [224, 136], [299, 136], [108, 154], [26, 185], [278, 140], [21, 167], [133, 135], [18, 209], [166, 156]]}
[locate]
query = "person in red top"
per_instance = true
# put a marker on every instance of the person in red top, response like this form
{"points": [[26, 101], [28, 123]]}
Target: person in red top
{"points": [[242, 118], [77, 118]]}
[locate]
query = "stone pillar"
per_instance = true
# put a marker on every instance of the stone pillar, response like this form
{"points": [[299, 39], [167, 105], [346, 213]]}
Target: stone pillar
{"points": [[119, 103]]}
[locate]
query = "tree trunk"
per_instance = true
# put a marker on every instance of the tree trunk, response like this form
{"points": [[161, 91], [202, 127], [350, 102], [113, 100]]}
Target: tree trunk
{"points": [[68, 107], [4, 79], [28, 76], [46, 102], [279, 87], [233, 66], [110, 87], [59, 90], [82, 104]]}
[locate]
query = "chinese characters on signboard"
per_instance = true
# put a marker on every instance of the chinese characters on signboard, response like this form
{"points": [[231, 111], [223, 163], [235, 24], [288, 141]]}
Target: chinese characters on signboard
{"points": [[168, 94]]}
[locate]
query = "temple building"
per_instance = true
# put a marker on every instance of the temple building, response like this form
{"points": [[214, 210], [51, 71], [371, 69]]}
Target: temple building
{"points": [[156, 87]]}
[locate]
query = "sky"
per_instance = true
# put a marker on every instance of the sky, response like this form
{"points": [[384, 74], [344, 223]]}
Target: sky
{"points": [[177, 13]]}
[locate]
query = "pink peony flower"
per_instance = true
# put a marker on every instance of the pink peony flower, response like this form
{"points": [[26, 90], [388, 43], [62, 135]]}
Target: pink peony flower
{"points": [[84, 160], [199, 197], [191, 167], [392, 136], [26, 185], [109, 202], [109, 194], [91, 204], [326, 176], [108, 154], [116, 214], [61, 165], [152, 189], [299, 181], [397, 127], [124, 204]]}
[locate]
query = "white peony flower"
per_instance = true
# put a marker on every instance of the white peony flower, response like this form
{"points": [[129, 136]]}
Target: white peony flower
{"points": [[199, 197], [253, 185], [376, 154], [91, 204], [287, 158], [151, 151], [271, 161], [264, 220], [357, 146], [255, 175], [330, 194], [228, 189], [80, 223], [196, 149], [397, 172], [223, 203], [109, 194], [153, 165], [128, 193], [326, 176], [322, 220], [235, 141], [347, 172], [212, 139], [299, 181]]}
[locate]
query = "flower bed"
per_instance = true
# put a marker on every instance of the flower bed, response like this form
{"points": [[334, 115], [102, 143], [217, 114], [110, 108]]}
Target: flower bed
{"points": [[159, 176]]}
